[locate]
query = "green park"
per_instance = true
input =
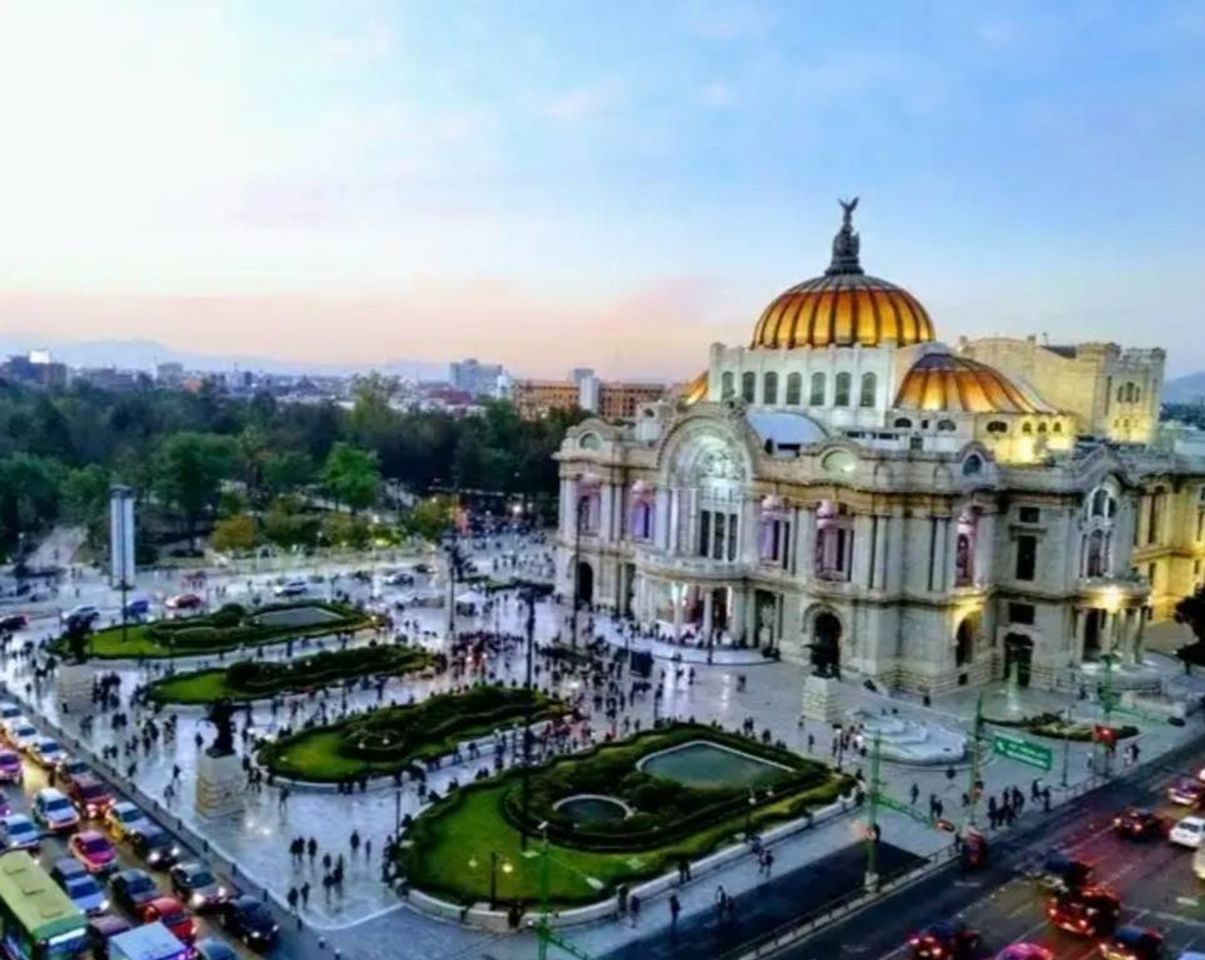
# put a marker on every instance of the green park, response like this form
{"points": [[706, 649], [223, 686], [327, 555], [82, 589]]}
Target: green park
{"points": [[228, 628], [260, 679], [393, 739], [618, 814]]}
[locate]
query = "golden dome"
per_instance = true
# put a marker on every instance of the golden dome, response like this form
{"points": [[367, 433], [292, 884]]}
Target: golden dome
{"points": [[844, 307], [942, 381], [696, 390]]}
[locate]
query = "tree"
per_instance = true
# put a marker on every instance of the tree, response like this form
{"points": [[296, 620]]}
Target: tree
{"points": [[1191, 612], [236, 534], [344, 530], [431, 517], [351, 476], [287, 472], [287, 526], [189, 472], [86, 493]]}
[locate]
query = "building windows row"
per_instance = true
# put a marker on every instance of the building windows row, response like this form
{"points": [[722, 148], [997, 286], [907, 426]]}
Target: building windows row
{"points": [[793, 393], [1129, 393], [717, 535]]}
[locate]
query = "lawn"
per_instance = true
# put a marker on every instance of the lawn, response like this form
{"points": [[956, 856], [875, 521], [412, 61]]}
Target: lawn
{"points": [[463, 829], [390, 739], [256, 680], [225, 629]]}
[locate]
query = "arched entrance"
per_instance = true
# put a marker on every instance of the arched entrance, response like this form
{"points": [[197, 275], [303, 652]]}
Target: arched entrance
{"points": [[826, 645], [1018, 658], [585, 583], [964, 642]]}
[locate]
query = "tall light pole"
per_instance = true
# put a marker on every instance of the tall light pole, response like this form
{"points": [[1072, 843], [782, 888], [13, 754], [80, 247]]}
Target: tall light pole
{"points": [[580, 509]]}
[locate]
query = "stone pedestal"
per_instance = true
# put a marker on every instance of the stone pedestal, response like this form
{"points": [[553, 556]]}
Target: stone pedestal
{"points": [[73, 687], [221, 785], [822, 699]]}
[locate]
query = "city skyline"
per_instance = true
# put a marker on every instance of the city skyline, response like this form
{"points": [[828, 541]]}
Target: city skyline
{"points": [[552, 188]]}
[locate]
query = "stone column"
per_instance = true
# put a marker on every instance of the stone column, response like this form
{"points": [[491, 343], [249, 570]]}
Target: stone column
{"points": [[736, 616], [1140, 635], [606, 496], [661, 519], [805, 543], [676, 598], [1079, 621], [708, 611], [862, 532]]}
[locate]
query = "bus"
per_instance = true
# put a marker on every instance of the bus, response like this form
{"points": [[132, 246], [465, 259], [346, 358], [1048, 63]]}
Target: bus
{"points": [[38, 921]]}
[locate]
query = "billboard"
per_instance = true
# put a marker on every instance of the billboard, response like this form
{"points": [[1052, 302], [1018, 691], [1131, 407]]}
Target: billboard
{"points": [[121, 537]]}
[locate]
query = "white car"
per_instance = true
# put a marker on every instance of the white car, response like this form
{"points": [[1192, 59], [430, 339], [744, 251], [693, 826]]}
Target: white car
{"points": [[1188, 832], [294, 588], [9, 711], [54, 811], [46, 752], [21, 733], [84, 611], [17, 832]]}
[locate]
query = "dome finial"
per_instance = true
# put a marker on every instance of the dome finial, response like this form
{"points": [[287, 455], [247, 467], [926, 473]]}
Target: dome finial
{"points": [[846, 243]]}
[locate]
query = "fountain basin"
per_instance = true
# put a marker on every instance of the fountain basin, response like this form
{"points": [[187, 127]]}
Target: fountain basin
{"points": [[911, 741], [591, 808], [710, 766]]}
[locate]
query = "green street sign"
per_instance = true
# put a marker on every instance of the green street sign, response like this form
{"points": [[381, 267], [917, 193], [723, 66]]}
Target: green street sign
{"points": [[1012, 747]]}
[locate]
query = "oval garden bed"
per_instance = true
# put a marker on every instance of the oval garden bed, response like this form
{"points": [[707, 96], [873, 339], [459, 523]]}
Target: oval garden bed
{"points": [[259, 679], [1055, 727], [227, 628], [390, 739], [667, 820]]}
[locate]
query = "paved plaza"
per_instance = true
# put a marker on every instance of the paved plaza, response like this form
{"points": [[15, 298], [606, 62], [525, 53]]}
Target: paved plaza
{"points": [[369, 920]]}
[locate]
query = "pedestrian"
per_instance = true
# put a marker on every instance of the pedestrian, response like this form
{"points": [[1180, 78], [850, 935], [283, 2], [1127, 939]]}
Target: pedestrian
{"points": [[675, 908], [915, 792], [312, 850], [768, 863], [621, 899], [305, 894], [634, 908], [355, 842], [292, 897]]}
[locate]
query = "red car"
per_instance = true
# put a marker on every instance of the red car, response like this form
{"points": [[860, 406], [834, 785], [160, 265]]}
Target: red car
{"points": [[90, 796], [171, 913], [93, 849], [184, 601], [11, 768]]}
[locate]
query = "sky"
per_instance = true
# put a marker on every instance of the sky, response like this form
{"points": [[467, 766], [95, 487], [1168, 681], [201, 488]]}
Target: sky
{"points": [[613, 184]]}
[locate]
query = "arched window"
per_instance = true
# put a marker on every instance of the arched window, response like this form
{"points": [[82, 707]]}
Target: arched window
{"points": [[903, 423], [749, 387], [1098, 554], [947, 425], [1042, 427], [834, 542], [869, 389], [769, 391], [816, 399], [972, 465], [794, 389], [844, 380], [727, 385], [1058, 427], [997, 426], [1027, 428], [1100, 503]]}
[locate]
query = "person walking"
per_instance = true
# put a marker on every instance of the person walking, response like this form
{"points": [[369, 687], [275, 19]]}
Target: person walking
{"points": [[292, 897], [675, 908], [355, 842], [634, 908], [305, 895]]}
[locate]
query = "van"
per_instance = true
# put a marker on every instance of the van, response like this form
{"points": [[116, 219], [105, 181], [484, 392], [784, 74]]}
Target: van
{"points": [[151, 941]]}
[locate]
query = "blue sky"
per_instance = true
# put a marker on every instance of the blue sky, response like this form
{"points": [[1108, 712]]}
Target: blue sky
{"points": [[557, 184]]}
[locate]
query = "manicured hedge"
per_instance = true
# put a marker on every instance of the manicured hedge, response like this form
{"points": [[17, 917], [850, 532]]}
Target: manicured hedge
{"points": [[390, 739], [1052, 726], [255, 679]]}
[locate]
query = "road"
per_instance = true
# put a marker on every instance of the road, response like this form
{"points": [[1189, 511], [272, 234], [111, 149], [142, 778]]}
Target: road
{"points": [[1154, 880]]}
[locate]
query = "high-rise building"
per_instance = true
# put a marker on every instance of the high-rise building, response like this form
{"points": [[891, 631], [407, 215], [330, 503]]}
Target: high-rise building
{"points": [[477, 379]]}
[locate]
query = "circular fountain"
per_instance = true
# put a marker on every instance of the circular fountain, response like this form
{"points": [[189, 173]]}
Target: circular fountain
{"points": [[911, 741], [590, 808]]}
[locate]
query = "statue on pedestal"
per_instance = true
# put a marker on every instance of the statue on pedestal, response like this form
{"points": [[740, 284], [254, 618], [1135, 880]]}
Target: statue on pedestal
{"points": [[221, 715]]}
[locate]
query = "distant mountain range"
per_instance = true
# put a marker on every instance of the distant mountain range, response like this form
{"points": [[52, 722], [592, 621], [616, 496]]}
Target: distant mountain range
{"points": [[1187, 389], [145, 354]]}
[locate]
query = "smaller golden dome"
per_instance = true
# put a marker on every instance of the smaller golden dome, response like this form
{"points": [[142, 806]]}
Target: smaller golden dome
{"points": [[942, 381], [695, 390]]}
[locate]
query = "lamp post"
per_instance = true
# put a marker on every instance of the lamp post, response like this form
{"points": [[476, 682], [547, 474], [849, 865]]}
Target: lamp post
{"points": [[580, 509], [1066, 746]]}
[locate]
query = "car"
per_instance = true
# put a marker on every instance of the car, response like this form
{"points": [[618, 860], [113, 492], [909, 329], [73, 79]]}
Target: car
{"points": [[9, 710], [422, 568], [195, 885], [54, 811], [155, 845], [13, 622], [79, 885], [1187, 791], [211, 949], [293, 588], [46, 752], [1088, 911], [1133, 943], [90, 796], [123, 817], [171, 913], [94, 851], [138, 607], [85, 613], [399, 579], [946, 940], [1060, 872], [69, 768], [12, 770], [1025, 951], [18, 832], [1188, 832], [130, 889], [1134, 823], [100, 930], [184, 601], [21, 733], [248, 919]]}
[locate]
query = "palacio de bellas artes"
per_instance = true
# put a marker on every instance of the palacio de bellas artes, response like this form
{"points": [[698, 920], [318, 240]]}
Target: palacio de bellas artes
{"points": [[847, 492]]}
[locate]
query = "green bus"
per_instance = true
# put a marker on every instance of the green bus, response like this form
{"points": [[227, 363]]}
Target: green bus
{"points": [[38, 921]]}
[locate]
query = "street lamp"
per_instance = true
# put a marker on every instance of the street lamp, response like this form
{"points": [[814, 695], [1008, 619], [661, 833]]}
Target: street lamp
{"points": [[507, 868]]}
